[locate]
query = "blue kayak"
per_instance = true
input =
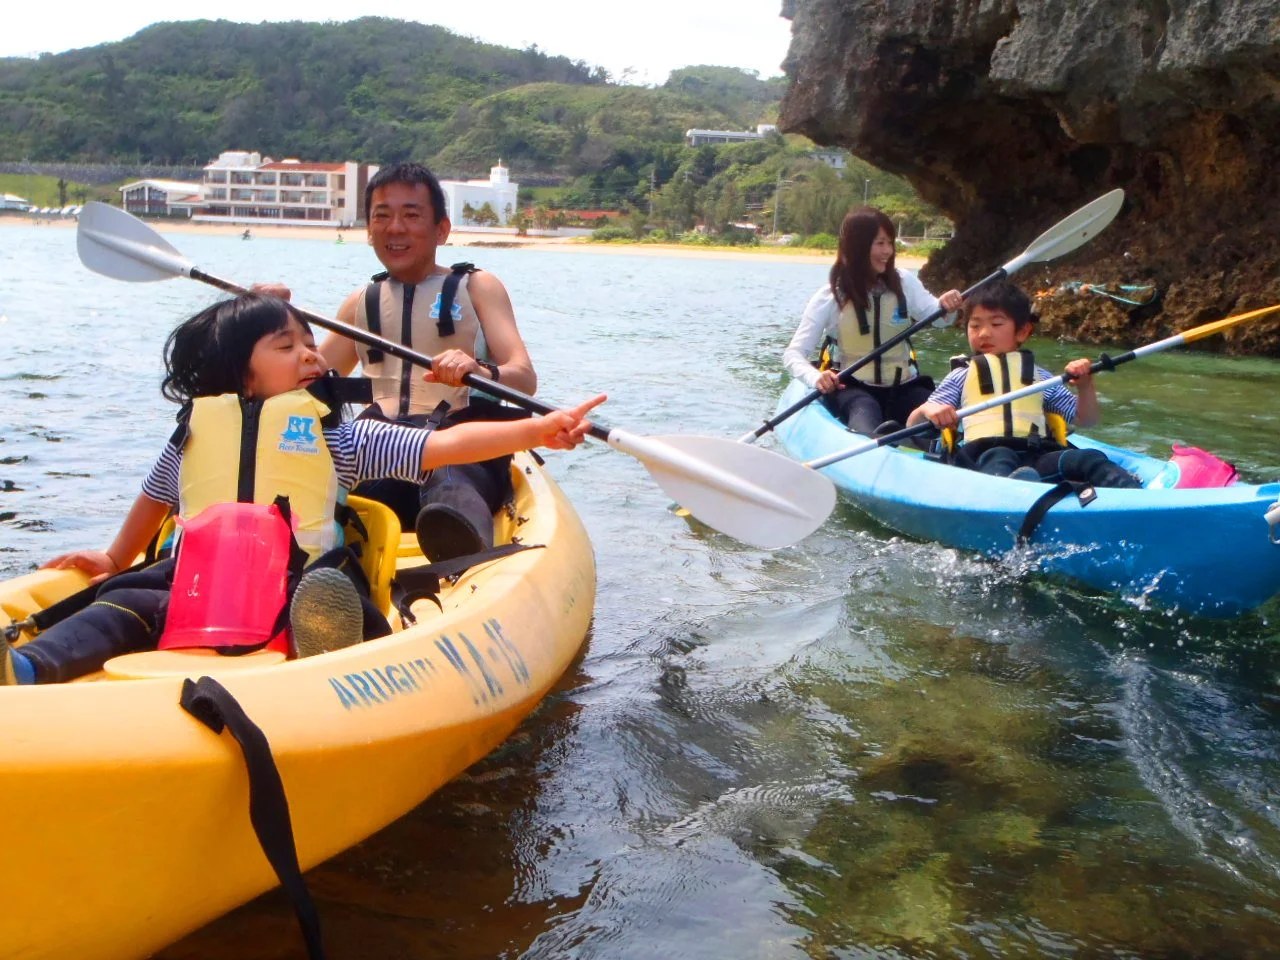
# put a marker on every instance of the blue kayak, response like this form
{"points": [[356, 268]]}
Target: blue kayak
{"points": [[1206, 551]]}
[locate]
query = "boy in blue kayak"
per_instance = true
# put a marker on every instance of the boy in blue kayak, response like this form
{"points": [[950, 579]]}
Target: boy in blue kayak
{"points": [[1025, 439]]}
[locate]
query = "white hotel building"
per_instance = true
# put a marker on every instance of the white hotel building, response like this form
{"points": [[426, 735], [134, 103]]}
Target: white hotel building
{"points": [[241, 187], [246, 188]]}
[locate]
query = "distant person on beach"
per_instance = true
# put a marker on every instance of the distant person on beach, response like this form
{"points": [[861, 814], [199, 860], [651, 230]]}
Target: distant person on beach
{"points": [[246, 236], [866, 301], [462, 318]]}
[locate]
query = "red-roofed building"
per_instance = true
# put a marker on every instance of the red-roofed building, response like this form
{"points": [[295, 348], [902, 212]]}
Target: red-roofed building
{"points": [[244, 187]]}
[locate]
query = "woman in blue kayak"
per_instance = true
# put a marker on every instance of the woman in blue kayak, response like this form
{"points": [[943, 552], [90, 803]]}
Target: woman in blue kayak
{"points": [[261, 419], [866, 301]]}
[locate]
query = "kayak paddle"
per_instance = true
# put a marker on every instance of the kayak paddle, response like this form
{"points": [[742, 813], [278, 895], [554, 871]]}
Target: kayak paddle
{"points": [[754, 495], [1103, 363], [1057, 241]]}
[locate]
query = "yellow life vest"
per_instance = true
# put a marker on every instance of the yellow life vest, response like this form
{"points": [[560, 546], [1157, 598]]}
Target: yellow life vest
{"points": [[862, 330], [992, 375], [253, 451]]}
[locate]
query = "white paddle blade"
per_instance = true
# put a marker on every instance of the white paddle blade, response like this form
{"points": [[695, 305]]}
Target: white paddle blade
{"points": [[117, 244], [1073, 232], [751, 494]]}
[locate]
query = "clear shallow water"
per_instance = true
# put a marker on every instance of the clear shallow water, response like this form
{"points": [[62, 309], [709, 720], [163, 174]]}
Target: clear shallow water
{"points": [[859, 746]]}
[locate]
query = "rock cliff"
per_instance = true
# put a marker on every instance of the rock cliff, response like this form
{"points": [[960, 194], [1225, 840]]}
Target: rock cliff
{"points": [[1008, 114]]}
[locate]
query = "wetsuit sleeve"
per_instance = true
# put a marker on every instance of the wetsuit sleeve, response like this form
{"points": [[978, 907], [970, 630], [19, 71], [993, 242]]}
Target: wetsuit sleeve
{"points": [[162, 483], [821, 316], [949, 390], [920, 302], [376, 450]]}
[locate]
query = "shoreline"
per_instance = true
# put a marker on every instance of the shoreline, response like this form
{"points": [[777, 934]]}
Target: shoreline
{"points": [[463, 238]]}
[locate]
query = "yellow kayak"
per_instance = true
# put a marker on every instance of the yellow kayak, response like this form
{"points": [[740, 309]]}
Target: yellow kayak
{"points": [[129, 819]]}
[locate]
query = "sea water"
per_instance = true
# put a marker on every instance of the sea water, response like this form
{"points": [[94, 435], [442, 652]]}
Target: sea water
{"points": [[860, 745]]}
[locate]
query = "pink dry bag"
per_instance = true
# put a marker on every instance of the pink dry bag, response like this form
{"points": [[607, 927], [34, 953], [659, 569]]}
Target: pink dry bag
{"points": [[231, 581], [1200, 468]]}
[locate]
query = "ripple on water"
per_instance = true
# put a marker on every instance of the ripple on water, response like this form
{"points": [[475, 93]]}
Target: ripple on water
{"points": [[858, 746]]}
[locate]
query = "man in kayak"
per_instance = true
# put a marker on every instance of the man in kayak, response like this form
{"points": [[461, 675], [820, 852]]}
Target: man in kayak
{"points": [[1025, 439], [463, 319]]}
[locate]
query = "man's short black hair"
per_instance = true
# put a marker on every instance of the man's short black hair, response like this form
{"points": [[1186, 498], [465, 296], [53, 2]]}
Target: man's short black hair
{"points": [[410, 173], [1002, 295]]}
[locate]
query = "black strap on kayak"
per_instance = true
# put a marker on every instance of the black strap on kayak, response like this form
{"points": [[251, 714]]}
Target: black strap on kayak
{"points": [[213, 705], [424, 582], [1054, 495]]}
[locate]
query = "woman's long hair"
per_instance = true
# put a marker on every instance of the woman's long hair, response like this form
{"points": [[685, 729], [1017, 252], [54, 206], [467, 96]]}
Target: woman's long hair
{"points": [[851, 276], [208, 355]]}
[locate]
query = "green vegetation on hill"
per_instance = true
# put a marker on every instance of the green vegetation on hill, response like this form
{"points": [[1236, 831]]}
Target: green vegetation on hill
{"points": [[382, 90], [739, 94], [570, 129], [373, 89]]}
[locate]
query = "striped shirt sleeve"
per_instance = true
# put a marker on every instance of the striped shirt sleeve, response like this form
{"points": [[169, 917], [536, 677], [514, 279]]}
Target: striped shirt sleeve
{"points": [[161, 484], [948, 391], [376, 450], [1058, 399]]}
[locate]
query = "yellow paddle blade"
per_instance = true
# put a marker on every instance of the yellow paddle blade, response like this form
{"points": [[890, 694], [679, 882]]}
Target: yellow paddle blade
{"points": [[1209, 329]]}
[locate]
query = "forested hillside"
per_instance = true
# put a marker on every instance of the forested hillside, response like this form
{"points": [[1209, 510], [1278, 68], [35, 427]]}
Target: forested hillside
{"points": [[371, 89], [380, 90]]}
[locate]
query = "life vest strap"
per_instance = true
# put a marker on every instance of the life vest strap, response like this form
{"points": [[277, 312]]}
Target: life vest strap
{"points": [[373, 312], [213, 705], [448, 291], [247, 476], [336, 391]]}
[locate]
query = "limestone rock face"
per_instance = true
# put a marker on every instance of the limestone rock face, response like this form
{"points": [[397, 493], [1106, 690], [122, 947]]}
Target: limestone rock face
{"points": [[1009, 114]]}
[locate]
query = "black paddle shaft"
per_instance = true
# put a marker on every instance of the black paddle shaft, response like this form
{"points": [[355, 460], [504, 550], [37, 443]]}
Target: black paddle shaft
{"points": [[491, 387], [846, 375]]}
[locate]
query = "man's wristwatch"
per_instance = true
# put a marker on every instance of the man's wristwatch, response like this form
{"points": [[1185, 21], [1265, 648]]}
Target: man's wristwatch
{"points": [[494, 373]]}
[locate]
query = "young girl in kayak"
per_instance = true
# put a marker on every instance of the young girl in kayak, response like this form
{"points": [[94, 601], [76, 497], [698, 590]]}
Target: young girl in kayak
{"points": [[866, 301], [1017, 439], [239, 365]]}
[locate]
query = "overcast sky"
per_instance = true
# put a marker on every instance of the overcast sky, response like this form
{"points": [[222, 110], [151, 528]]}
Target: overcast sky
{"points": [[651, 38]]}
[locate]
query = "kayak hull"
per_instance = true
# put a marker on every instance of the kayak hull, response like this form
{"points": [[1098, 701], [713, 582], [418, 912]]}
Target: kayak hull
{"points": [[1206, 551], [130, 819]]}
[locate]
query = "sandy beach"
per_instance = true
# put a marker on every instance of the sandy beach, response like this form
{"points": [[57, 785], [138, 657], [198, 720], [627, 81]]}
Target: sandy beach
{"points": [[463, 238]]}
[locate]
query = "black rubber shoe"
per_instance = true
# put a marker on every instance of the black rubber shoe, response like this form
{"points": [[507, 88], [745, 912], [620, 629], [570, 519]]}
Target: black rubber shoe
{"points": [[444, 533], [454, 520], [325, 613], [886, 428]]}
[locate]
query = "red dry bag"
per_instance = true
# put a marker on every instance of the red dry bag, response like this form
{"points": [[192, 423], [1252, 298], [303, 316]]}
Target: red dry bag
{"points": [[231, 581], [1200, 468]]}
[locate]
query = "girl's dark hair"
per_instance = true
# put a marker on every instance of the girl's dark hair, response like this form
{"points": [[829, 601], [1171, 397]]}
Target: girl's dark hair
{"points": [[1002, 295], [208, 355], [411, 174], [851, 276]]}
